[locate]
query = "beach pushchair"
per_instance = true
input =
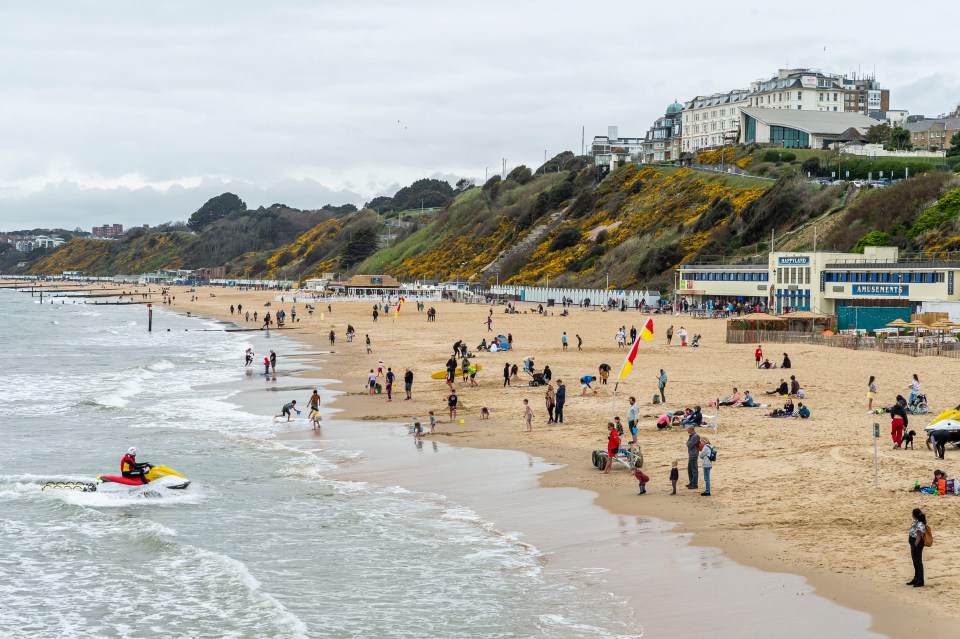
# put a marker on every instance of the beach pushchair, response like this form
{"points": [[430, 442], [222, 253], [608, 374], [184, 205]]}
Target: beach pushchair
{"points": [[537, 379], [919, 405]]}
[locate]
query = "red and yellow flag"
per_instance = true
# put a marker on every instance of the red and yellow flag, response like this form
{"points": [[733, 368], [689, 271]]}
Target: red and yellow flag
{"points": [[645, 334], [399, 304]]}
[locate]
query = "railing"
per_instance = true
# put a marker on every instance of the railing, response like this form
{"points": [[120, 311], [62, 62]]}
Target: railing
{"points": [[922, 348]]}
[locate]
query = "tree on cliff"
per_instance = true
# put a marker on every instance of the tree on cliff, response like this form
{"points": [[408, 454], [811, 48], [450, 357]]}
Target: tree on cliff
{"points": [[215, 209]]}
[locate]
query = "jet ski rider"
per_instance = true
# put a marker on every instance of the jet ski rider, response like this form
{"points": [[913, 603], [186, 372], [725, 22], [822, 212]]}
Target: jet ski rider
{"points": [[130, 469]]}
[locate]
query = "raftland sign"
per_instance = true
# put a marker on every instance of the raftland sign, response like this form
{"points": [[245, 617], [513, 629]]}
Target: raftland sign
{"points": [[882, 290], [793, 261]]}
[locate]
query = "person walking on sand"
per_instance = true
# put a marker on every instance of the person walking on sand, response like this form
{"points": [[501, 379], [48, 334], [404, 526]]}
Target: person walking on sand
{"points": [[693, 451], [563, 340], [633, 417], [613, 446], [551, 400], [506, 375], [871, 392], [898, 421], [408, 383], [662, 385], [371, 382], [561, 399], [917, 538], [333, 338], [489, 324], [527, 416], [369, 349], [705, 453], [389, 379], [758, 355], [579, 342], [669, 335]]}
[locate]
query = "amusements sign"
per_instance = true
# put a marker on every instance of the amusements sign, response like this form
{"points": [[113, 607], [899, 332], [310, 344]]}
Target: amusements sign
{"points": [[882, 290]]}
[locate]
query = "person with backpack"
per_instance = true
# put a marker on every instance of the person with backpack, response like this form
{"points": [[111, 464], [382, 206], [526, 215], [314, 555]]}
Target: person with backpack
{"points": [[920, 536], [707, 457]]}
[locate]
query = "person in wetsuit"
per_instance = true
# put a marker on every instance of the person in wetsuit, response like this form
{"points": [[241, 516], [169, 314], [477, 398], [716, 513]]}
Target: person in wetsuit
{"points": [[130, 469]]}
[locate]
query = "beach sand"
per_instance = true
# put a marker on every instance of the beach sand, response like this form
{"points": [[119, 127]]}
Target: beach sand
{"points": [[788, 495]]}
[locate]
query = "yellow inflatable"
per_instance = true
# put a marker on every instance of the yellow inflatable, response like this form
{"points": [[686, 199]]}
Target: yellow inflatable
{"points": [[459, 372]]}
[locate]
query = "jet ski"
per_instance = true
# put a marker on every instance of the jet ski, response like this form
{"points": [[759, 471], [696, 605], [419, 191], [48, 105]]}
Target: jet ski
{"points": [[948, 420], [157, 476]]}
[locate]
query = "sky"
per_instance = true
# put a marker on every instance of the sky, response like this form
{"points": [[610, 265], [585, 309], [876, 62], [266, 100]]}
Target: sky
{"points": [[137, 113]]}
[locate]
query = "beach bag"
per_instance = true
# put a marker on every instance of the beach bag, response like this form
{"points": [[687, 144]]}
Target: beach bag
{"points": [[800, 393], [927, 536], [656, 399]]}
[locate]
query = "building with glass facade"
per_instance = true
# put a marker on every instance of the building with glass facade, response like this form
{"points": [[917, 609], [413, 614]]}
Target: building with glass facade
{"points": [[801, 129], [824, 282]]}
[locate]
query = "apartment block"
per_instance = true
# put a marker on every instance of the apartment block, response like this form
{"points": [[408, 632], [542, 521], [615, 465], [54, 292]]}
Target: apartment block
{"points": [[108, 230], [710, 121]]}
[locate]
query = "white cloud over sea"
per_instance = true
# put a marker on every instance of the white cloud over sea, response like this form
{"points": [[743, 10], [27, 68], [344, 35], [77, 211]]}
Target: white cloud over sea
{"points": [[136, 113]]}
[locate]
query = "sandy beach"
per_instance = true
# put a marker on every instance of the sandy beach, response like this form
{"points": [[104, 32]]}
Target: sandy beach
{"points": [[789, 495]]}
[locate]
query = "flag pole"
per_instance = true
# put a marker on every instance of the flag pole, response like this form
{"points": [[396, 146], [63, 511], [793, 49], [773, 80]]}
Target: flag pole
{"points": [[613, 405]]}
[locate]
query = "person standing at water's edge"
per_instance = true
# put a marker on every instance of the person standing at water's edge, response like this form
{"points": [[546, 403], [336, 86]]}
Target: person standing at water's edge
{"points": [[705, 453], [527, 416], [693, 451], [408, 383], [561, 398], [273, 362], [918, 532]]}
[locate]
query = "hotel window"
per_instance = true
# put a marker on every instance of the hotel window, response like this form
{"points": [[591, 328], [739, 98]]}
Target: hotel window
{"points": [[821, 96], [799, 95], [779, 276], [835, 99]]}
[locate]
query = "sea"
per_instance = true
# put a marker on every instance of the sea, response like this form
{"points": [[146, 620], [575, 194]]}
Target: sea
{"points": [[266, 541]]}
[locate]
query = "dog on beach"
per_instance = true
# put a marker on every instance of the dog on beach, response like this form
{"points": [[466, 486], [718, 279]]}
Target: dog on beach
{"points": [[908, 439]]}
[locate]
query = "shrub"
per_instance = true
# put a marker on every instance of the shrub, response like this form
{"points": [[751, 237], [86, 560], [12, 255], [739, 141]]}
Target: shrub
{"points": [[564, 239], [773, 155], [560, 193], [873, 238], [945, 209]]}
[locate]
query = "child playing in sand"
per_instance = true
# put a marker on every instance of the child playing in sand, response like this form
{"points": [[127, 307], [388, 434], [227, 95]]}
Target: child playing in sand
{"points": [[433, 423], [674, 476], [417, 430], [642, 478], [484, 412], [527, 415]]}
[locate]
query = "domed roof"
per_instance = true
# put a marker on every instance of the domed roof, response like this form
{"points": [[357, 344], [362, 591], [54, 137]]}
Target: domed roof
{"points": [[674, 108]]}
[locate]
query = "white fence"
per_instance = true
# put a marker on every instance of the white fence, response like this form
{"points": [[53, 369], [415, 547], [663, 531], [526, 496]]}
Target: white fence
{"points": [[597, 296]]}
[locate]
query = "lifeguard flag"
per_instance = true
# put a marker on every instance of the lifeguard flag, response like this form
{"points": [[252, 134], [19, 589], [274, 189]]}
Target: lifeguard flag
{"points": [[399, 304], [645, 334]]}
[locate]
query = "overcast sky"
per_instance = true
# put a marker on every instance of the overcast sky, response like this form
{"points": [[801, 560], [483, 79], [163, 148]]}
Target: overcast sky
{"points": [[135, 112]]}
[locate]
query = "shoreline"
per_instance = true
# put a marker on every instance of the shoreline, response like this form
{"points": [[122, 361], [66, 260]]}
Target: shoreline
{"points": [[750, 545]]}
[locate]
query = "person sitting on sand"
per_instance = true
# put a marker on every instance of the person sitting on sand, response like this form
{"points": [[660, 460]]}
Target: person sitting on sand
{"points": [[747, 401], [695, 418], [782, 389], [786, 361], [732, 400], [482, 346], [766, 365], [802, 411], [794, 386]]}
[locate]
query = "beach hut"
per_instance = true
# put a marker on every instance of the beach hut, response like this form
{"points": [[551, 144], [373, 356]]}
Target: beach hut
{"points": [[806, 321], [741, 325]]}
